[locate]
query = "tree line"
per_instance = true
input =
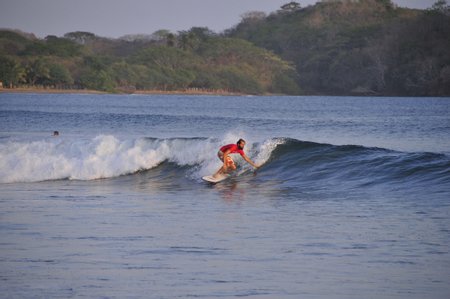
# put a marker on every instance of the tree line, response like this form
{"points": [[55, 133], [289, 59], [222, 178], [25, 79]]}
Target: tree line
{"points": [[336, 47], [197, 58]]}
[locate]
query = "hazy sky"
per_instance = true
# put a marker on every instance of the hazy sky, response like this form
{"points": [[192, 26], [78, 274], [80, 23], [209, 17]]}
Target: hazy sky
{"points": [[115, 18]]}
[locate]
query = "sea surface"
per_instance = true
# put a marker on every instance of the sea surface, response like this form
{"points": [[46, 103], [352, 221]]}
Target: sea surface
{"points": [[352, 199]]}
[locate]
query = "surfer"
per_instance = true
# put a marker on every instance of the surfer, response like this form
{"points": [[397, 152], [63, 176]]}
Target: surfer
{"points": [[228, 163]]}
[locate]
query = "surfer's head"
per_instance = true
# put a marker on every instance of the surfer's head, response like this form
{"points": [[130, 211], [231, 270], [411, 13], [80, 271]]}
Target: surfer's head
{"points": [[241, 143]]}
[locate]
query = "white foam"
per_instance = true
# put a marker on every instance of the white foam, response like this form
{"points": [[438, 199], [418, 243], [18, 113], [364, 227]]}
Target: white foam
{"points": [[265, 150], [108, 156]]}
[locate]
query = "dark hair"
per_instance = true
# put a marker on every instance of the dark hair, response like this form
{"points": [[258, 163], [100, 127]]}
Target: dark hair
{"points": [[240, 140]]}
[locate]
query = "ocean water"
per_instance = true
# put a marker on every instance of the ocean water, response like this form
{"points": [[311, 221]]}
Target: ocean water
{"points": [[352, 200]]}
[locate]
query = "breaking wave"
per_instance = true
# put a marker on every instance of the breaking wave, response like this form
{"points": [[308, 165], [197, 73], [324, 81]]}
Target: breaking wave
{"points": [[284, 160]]}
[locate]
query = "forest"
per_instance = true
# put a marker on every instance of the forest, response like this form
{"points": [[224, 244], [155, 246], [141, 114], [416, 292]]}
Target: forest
{"points": [[197, 58], [335, 47]]}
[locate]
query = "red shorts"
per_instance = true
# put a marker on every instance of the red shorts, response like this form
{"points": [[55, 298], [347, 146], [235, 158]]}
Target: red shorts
{"points": [[230, 161]]}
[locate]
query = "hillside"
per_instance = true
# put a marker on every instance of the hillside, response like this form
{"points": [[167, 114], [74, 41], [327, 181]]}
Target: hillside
{"points": [[358, 47], [335, 47], [197, 59]]}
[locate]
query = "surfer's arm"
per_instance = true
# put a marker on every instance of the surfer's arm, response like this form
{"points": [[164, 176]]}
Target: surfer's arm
{"points": [[249, 161]]}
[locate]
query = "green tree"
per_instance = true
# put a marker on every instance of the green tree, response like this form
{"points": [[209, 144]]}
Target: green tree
{"points": [[61, 47], [170, 40], [97, 80], [234, 79], [188, 40], [11, 72], [254, 62], [206, 79], [80, 37], [12, 43], [59, 75], [192, 39], [441, 6], [165, 57], [284, 83], [252, 17], [290, 7], [124, 74], [98, 62], [35, 48], [37, 71]]}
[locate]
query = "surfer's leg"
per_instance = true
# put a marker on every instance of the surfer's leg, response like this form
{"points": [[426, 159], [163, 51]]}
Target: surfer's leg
{"points": [[230, 164], [220, 155], [221, 170], [230, 167]]}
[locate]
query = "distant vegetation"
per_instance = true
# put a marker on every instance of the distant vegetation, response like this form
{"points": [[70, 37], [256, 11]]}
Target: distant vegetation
{"points": [[195, 59], [358, 47], [339, 47]]}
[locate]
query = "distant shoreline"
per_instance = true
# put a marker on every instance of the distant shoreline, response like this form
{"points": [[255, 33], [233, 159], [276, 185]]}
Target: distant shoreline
{"points": [[48, 90], [190, 91], [193, 91]]}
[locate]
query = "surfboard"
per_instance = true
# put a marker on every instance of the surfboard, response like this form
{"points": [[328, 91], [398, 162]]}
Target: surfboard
{"points": [[214, 180]]}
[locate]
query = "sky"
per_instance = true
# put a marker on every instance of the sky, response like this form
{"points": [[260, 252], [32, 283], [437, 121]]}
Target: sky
{"points": [[115, 18]]}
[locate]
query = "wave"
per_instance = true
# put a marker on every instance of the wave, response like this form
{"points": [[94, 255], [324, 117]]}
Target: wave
{"points": [[287, 161], [355, 166]]}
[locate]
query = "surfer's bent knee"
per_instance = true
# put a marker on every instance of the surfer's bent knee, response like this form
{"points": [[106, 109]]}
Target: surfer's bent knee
{"points": [[220, 155]]}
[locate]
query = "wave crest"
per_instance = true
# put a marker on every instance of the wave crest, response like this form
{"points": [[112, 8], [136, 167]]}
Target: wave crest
{"points": [[101, 157], [285, 160]]}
